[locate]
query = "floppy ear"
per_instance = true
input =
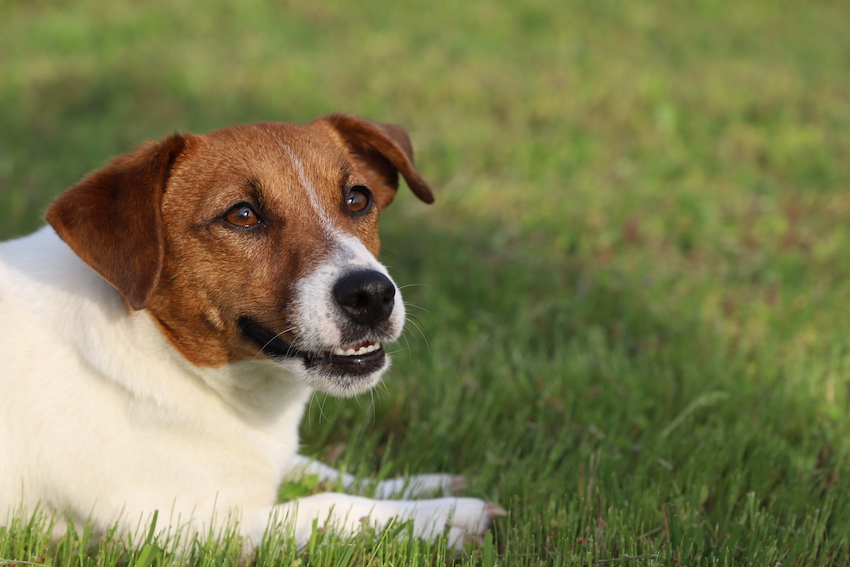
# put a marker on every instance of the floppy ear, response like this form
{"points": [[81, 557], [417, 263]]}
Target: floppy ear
{"points": [[113, 222], [381, 151]]}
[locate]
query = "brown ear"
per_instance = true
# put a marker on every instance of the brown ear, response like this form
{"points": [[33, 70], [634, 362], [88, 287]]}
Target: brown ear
{"points": [[112, 218], [381, 151]]}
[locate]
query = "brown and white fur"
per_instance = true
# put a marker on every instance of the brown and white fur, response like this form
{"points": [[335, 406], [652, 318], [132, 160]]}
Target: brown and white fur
{"points": [[160, 339]]}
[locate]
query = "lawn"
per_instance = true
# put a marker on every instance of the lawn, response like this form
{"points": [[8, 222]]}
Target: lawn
{"points": [[629, 302]]}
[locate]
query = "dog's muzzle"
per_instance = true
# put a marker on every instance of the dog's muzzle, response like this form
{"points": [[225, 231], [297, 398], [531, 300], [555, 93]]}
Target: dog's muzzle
{"points": [[365, 301]]}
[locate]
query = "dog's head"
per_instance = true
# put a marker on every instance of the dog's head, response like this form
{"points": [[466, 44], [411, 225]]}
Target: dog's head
{"points": [[254, 241]]}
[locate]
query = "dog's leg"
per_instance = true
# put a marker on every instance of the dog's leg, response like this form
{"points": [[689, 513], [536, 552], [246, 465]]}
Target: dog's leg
{"points": [[461, 519], [420, 485], [401, 487]]}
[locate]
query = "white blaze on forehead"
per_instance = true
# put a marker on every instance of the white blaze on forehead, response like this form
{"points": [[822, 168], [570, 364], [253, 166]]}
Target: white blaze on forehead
{"points": [[309, 188], [351, 248]]}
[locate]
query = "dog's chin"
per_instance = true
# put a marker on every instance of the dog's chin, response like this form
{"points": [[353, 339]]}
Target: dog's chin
{"points": [[339, 371], [342, 385], [344, 375]]}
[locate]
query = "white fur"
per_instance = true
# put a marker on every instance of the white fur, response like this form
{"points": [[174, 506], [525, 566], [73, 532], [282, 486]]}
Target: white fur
{"points": [[319, 322], [101, 417]]}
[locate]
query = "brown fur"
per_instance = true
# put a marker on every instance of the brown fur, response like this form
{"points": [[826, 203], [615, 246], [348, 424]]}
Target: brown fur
{"points": [[170, 252]]}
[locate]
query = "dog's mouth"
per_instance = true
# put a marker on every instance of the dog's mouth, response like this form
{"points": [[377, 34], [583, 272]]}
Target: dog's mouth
{"points": [[358, 358]]}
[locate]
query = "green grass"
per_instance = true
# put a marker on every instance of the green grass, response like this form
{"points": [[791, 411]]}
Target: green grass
{"points": [[633, 330]]}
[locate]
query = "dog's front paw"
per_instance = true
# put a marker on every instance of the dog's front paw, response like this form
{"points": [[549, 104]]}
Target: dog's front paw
{"points": [[461, 519], [491, 512], [420, 485], [470, 526]]}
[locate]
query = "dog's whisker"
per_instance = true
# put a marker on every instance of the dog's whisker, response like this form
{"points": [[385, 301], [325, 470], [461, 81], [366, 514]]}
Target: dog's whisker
{"points": [[413, 322], [406, 304], [322, 401], [405, 348], [271, 340]]}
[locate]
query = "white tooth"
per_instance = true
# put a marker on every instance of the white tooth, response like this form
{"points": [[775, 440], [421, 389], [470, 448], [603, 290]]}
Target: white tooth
{"points": [[338, 351]]}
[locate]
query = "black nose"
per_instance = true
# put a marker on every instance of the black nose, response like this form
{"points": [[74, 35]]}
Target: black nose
{"points": [[366, 296]]}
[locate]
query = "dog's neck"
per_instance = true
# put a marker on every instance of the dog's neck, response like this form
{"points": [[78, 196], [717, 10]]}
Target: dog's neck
{"points": [[257, 391]]}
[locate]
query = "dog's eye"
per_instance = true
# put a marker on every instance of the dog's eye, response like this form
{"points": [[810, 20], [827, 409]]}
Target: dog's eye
{"points": [[359, 199], [242, 215]]}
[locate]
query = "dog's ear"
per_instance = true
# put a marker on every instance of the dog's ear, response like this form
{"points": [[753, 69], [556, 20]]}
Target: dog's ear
{"points": [[381, 151], [112, 219]]}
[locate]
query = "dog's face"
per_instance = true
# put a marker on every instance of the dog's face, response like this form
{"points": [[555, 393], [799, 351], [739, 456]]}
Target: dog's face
{"points": [[255, 241]]}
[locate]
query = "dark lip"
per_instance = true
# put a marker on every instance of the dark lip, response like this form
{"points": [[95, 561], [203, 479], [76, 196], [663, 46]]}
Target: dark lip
{"points": [[267, 340], [274, 346]]}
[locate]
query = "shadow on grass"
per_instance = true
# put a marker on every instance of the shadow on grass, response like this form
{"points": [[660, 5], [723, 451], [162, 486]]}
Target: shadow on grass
{"points": [[542, 376]]}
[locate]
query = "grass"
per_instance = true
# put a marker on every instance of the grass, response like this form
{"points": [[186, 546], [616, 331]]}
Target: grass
{"points": [[633, 287]]}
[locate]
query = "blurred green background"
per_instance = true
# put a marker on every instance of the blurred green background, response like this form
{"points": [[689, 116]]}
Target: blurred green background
{"points": [[634, 281]]}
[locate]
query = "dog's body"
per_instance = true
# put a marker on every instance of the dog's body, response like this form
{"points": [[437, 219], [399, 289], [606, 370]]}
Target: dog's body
{"points": [[159, 351]]}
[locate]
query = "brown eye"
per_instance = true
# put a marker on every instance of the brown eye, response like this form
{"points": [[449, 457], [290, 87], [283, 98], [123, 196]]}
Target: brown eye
{"points": [[358, 200], [242, 215]]}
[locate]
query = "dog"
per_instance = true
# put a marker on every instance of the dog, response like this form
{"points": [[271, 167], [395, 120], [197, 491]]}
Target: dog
{"points": [[161, 336]]}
